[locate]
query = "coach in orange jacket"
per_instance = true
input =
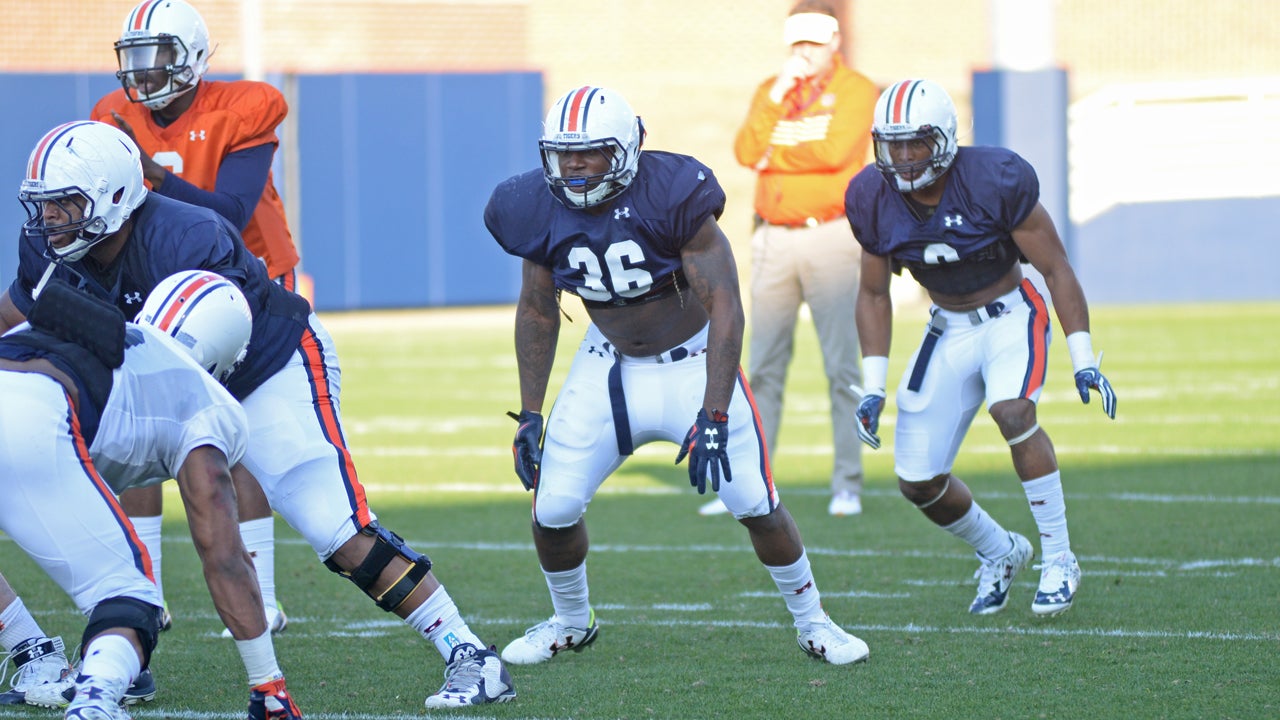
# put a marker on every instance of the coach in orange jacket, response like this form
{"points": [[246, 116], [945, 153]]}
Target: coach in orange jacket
{"points": [[807, 133]]}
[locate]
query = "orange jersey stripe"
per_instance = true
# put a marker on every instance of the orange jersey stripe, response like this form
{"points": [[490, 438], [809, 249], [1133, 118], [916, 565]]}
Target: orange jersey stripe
{"points": [[331, 425], [1039, 338], [764, 446]]}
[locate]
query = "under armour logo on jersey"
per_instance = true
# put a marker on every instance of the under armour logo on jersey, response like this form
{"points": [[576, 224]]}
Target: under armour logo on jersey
{"points": [[622, 212], [133, 297], [197, 134], [950, 220]]}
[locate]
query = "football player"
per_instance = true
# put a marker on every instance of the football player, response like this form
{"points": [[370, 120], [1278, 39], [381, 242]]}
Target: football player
{"points": [[93, 223], [94, 406], [962, 220], [211, 144], [634, 235]]}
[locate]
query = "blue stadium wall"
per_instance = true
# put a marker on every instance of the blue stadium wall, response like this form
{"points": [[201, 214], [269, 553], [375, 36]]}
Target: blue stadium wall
{"points": [[395, 170], [394, 174]]}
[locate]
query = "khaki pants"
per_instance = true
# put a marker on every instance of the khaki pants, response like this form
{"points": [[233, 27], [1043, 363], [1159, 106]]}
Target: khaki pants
{"points": [[819, 266]]}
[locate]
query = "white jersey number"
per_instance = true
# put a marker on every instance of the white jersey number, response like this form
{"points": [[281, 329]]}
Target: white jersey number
{"points": [[940, 254], [621, 259]]}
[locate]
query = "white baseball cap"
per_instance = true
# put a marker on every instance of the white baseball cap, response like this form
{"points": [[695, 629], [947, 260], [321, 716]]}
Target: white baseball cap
{"points": [[809, 27]]}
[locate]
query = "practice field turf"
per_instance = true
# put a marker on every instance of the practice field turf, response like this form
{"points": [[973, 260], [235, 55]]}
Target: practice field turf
{"points": [[1173, 511]]}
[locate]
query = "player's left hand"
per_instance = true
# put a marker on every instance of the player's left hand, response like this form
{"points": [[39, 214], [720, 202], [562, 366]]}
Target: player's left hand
{"points": [[707, 446], [527, 447], [1092, 379]]}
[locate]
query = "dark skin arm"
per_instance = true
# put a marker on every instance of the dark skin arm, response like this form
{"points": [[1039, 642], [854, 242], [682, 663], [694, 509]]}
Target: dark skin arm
{"points": [[210, 500], [1038, 240], [874, 309], [713, 276], [537, 333], [10, 316]]}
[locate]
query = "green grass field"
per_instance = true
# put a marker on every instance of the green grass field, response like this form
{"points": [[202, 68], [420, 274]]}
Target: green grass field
{"points": [[1173, 510]]}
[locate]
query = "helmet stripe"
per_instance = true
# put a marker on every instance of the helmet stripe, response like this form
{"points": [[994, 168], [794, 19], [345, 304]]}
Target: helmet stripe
{"points": [[575, 110], [142, 15], [35, 169], [900, 106], [183, 298]]}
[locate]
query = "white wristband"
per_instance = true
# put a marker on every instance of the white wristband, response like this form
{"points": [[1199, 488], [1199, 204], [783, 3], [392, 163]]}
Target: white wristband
{"points": [[1080, 345], [875, 373]]}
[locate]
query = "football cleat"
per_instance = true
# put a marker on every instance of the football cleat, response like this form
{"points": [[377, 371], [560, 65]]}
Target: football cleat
{"points": [[996, 576], [142, 690], [97, 699], [42, 674], [473, 677], [271, 701], [166, 620], [543, 641], [828, 641], [1059, 580], [276, 620]]}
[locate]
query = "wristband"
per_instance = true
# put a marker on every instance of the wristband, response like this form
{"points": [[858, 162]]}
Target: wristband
{"points": [[875, 373], [1080, 345]]}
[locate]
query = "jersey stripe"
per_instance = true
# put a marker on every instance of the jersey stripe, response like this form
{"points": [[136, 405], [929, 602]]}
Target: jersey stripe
{"points": [[141, 558], [766, 470], [1037, 339], [39, 158], [327, 414]]}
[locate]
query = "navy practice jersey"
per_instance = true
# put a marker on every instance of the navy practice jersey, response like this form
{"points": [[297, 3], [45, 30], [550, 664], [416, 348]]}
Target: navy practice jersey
{"points": [[169, 236], [620, 255], [967, 243]]}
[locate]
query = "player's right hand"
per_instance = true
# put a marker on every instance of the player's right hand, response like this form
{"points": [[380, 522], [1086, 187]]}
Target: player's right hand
{"points": [[527, 447], [868, 415]]}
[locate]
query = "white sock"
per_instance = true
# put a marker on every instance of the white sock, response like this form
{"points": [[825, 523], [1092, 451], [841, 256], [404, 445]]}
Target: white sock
{"points": [[982, 532], [799, 590], [259, 657], [259, 537], [1049, 508], [439, 621], [17, 626], [148, 529], [570, 596], [111, 658]]}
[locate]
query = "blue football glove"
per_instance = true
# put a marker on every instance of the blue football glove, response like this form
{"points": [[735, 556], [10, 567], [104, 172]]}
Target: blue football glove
{"points": [[1092, 378], [707, 446], [868, 415], [527, 447]]}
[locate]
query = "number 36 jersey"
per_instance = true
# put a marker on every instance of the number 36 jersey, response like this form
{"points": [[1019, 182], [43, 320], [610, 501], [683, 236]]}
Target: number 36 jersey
{"points": [[617, 254]]}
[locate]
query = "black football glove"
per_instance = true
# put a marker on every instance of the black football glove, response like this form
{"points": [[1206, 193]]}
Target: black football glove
{"points": [[707, 446], [868, 415], [1091, 379], [527, 447]]}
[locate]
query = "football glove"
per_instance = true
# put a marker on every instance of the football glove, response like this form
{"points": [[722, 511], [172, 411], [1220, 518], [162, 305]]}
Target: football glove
{"points": [[527, 447], [707, 446], [1092, 378], [868, 415]]}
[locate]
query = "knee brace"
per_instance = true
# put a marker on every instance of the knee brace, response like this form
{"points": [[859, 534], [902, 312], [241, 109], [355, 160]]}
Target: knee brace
{"points": [[116, 612], [386, 546]]}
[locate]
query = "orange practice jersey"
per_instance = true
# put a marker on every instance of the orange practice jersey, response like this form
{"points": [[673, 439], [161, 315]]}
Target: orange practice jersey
{"points": [[225, 117]]}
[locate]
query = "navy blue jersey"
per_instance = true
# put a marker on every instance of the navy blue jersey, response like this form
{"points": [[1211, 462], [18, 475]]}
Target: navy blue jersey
{"points": [[967, 243], [620, 255], [169, 236]]}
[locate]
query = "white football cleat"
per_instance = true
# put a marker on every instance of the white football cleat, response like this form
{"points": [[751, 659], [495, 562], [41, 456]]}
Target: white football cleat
{"points": [[42, 674], [828, 641], [845, 503], [996, 576], [473, 677], [1059, 580], [543, 641]]}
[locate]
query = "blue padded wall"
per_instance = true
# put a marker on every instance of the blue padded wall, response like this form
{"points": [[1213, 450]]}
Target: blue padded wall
{"points": [[395, 174]]}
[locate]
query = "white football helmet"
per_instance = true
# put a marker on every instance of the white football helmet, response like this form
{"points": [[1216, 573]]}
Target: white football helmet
{"points": [[89, 164], [591, 119], [163, 52], [207, 314], [915, 110]]}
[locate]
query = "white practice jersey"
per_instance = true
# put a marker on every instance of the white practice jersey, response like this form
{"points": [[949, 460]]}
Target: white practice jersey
{"points": [[162, 406]]}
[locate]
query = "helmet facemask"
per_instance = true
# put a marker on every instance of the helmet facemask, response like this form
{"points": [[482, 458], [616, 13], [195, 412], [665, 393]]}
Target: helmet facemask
{"points": [[912, 176], [155, 71], [591, 120], [82, 220]]}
